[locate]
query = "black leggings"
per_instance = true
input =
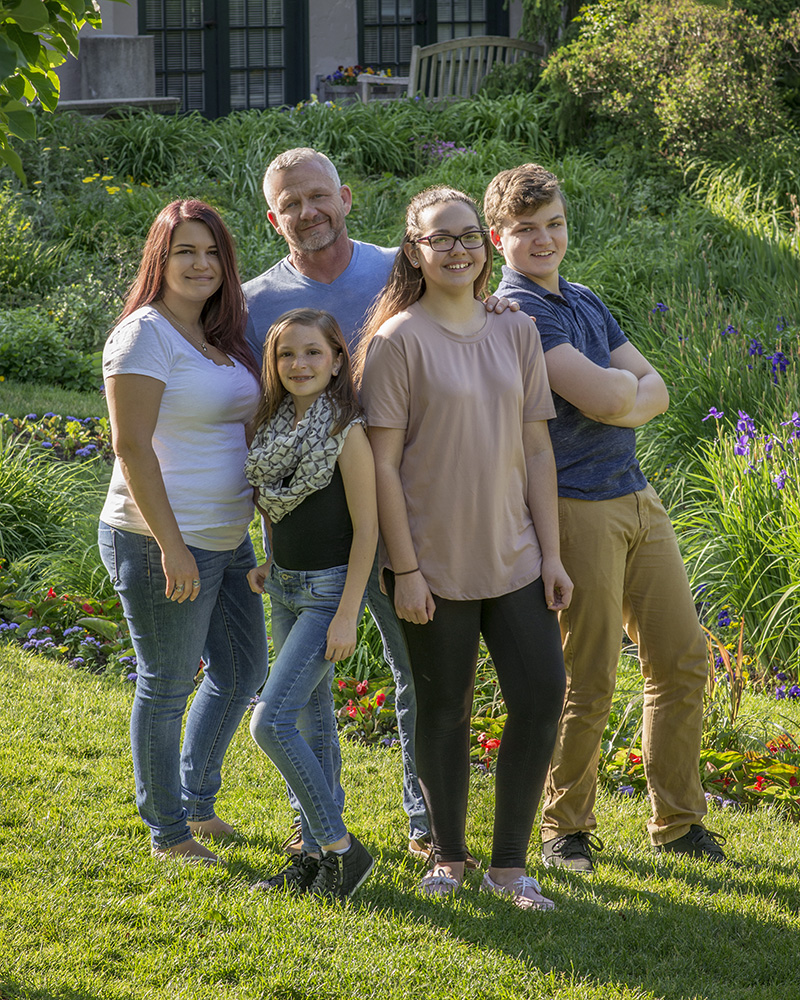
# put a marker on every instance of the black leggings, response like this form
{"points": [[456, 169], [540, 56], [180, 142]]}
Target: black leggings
{"points": [[523, 639]]}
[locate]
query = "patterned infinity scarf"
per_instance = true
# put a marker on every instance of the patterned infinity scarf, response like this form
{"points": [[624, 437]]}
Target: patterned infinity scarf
{"points": [[308, 450]]}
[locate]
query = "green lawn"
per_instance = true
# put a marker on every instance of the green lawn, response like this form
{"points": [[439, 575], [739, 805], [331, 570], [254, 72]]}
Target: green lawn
{"points": [[87, 914]]}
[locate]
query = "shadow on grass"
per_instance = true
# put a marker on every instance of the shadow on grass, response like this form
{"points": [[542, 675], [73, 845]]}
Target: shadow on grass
{"points": [[672, 942]]}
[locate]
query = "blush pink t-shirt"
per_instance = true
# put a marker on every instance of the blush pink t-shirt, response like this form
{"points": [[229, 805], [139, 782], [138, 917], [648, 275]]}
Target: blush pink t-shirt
{"points": [[462, 402]]}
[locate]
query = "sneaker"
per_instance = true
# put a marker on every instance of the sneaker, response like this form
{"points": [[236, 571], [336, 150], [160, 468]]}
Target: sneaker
{"points": [[421, 847], [525, 892], [697, 843], [297, 876], [572, 851], [339, 875]]}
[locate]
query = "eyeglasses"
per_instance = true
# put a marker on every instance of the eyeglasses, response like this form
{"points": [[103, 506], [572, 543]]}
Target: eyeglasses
{"points": [[472, 240]]}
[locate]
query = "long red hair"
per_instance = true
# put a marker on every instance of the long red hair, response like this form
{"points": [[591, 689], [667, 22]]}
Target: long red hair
{"points": [[224, 315]]}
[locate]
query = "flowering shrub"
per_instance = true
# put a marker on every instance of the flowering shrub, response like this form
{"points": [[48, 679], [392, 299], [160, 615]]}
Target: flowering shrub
{"points": [[64, 437], [347, 76], [730, 778], [364, 709], [740, 528], [437, 150], [86, 632]]}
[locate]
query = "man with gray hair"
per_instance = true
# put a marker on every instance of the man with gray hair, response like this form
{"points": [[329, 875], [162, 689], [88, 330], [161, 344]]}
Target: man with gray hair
{"points": [[325, 269]]}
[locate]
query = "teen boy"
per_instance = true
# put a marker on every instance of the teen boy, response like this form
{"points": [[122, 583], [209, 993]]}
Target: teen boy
{"points": [[617, 543]]}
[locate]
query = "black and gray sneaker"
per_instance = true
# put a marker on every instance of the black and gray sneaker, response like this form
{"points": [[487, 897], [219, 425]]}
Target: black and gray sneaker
{"points": [[697, 843], [572, 851], [340, 875], [297, 876]]}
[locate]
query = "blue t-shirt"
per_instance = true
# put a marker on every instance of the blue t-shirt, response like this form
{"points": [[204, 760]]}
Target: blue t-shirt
{"points": [[594, 461], [348, 298]]}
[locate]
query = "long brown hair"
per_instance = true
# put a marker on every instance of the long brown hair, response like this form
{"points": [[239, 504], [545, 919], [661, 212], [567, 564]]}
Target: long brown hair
{"points": [[406, 285], [224, 314], [340, 390]]}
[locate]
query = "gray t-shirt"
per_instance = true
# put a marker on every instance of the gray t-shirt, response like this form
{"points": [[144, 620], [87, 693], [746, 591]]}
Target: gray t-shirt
{"points": [[595, 461], [348, 298]]}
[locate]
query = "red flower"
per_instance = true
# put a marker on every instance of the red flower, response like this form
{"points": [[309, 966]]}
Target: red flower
{"points": [[88, 609], [380, 698], [634, 758], [760, 782], [362, 688], [492, 744], [51, 595], [793, 781], [342, 685]]}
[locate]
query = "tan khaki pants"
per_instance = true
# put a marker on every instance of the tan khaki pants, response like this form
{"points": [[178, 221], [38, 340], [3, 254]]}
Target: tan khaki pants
{"points": [[623, 558]]}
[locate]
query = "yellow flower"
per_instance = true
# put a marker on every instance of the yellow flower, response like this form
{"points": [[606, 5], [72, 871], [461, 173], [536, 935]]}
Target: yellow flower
{"points": [[63, 147], [129, 190], [45, 149], [112, 190], [2, 378], [107, 177], [87, 180], [37, 182], [145, 184]]}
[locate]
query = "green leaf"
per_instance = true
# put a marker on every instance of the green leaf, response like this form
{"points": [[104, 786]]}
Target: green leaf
{"points": [[29, 45], [46, 90], [11, 158], [8, 59], [30, 15], [102, 626], [21, 123], [14, 87]]}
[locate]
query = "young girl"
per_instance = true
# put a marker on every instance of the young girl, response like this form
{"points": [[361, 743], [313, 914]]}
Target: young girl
{"points": [[457, 403], [312, 468]]}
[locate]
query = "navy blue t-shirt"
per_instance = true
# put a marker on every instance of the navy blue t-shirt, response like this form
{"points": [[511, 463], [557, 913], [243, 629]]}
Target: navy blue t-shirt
{"points": [[594, 461]]}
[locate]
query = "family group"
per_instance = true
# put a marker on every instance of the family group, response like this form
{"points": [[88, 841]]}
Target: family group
{"points": [[367, 398]]}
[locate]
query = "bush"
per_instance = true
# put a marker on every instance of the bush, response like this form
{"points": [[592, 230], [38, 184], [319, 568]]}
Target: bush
{"points": [[687, 77], [33, 350], [26, 267], [504, 80]]}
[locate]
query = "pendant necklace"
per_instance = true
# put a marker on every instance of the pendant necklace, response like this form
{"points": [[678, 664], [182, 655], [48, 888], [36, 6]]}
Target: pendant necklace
{"points": [[203, 345]]}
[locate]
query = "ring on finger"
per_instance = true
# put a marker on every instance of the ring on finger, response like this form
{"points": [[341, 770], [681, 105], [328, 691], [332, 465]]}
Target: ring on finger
{"points": [[195, 583]]}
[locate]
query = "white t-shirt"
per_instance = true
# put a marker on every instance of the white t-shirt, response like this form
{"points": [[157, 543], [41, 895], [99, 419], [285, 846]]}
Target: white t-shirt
{"points": [[199, 438]]}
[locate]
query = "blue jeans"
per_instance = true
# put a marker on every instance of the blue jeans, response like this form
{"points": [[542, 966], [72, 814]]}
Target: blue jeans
{"points": [[224, 626], [294, 722], [396, 655]]}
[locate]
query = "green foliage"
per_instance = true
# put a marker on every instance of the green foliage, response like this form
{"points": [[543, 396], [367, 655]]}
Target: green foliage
{"points": [[504, 80], [27, 267], [35, 37], [41, 500], [548, 19], [84, 312], [31, 348], [738, 521], [683, 76]]}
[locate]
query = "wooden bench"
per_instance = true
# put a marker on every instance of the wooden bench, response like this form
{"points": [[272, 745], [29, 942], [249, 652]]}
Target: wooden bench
{"points": [[458, 67]]}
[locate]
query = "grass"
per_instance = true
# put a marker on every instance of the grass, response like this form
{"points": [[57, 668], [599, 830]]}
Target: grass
{"points": [[88, 914], [19, 398]]}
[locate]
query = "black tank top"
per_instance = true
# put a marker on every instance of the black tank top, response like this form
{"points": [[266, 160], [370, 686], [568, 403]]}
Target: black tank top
{"points": [[318, 533]]}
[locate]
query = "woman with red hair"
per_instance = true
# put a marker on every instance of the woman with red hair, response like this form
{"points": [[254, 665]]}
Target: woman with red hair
{"points": [[182, 386]]}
